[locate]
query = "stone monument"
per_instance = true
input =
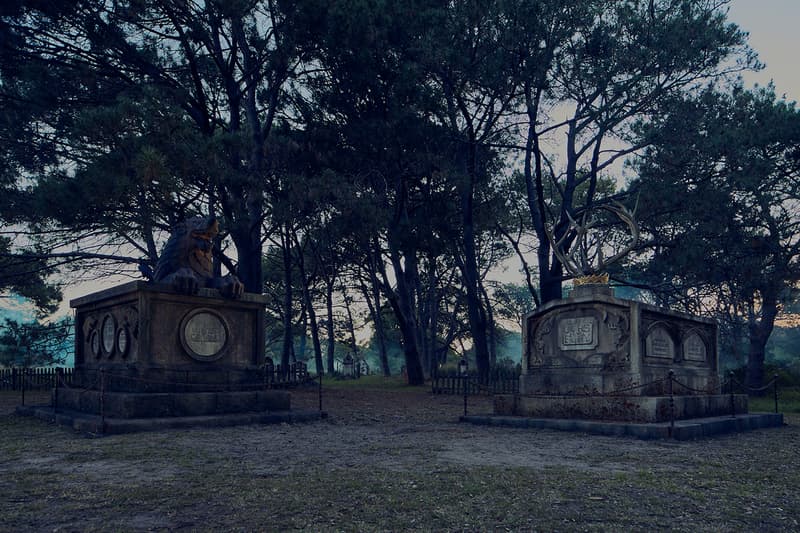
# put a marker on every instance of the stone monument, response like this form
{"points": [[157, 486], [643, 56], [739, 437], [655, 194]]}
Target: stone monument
{"points": [[187, 344], [596, 356]]}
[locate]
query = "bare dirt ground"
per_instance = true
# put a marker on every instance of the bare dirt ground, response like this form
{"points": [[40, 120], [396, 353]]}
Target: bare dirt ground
{"points": [[392, 460]]}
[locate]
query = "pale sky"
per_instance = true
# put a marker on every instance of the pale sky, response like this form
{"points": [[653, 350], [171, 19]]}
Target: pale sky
{"points": [[774, 27]]}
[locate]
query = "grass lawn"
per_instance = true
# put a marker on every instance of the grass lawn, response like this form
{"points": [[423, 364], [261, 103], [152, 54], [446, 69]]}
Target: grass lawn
{"points": [[393, 458], [788, 401]]}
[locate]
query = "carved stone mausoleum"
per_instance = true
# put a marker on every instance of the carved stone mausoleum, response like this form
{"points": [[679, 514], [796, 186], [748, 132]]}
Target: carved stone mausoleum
{"points": [[148, 334], [596, 356], [145, 350]]}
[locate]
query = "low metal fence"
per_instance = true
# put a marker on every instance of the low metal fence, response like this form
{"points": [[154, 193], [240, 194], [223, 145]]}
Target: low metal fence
{"points": [[33, 378], [496, 382]]}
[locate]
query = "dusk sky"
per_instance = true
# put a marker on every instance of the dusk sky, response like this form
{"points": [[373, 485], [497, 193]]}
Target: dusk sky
{"points": [[774, 34]]}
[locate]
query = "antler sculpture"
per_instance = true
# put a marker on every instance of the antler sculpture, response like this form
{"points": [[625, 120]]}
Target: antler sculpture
{"points": [[587, 246]]}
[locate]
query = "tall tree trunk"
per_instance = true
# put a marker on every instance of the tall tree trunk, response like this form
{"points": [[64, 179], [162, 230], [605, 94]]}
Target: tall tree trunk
{"points": [[432, 319], [551, 282], [351, 327], [550, 274], [247, 238], [309, 307], [314, 325], [760, 330], [491, 327], [301, 349], [469, 269], [402, 304]]}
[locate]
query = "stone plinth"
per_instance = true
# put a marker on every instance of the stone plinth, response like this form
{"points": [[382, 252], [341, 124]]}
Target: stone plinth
{"points": [[168, 404], [143, 337], [644, 409]]}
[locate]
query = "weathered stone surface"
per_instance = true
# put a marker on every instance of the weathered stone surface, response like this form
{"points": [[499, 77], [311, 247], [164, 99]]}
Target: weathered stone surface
{"points": [[681, 430], [164, 404], [593, 343], [643, 409], [149, 351], [597, 357], [149, 337]]}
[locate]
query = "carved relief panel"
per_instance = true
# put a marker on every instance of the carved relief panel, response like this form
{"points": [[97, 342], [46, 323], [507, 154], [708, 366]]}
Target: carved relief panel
{"points": [[659, 343], [694, 348], [588, 336], [111, 334], [679, 342]]}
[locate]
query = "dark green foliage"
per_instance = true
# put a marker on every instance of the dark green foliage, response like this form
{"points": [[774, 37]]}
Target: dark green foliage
{"points": [[389, 154], [719, 189], [35, 344]]}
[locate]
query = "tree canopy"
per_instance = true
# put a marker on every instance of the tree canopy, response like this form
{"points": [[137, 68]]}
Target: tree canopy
{"points": [[386, 154]]}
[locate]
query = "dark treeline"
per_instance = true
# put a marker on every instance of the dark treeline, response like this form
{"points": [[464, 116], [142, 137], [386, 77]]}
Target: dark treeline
{"points": [[374, 161]]}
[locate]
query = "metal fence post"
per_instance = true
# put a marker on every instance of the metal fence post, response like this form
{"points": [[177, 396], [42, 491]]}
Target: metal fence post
{"points": [[23, 379], [733, 404], [670, 377], [102, 401], [464, 383], [775, 390], [55, 390], [320, 391]]}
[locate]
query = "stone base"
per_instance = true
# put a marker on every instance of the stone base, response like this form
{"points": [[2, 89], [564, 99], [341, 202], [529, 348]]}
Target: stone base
{"points": [[94, 424], [620, 408], [148, 379], [126, 405], [681, 430]]}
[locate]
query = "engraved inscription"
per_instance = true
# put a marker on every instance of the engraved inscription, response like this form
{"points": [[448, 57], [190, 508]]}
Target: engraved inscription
{"points": [[122, 341], [109, 333], [541, 341], [94, 341], [205, 334], [577, 333], [694, 349], [660, 344]]}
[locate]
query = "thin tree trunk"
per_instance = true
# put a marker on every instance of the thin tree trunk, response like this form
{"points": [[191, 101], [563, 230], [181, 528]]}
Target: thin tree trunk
{"points": [[309, 306], [402, 305], [377, 319], [433, 315], [491, 327], [287, 351], [301, 350], [760, 330], [329, 325], [351, 327], [469, 268]]}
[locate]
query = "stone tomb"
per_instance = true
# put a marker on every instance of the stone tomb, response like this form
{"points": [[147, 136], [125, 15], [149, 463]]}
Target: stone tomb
{"points": [[594, 356], [144, 350]]}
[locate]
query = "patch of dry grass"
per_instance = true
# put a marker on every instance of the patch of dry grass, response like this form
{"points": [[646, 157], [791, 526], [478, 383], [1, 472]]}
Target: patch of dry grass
{"points": [[394, 461]]}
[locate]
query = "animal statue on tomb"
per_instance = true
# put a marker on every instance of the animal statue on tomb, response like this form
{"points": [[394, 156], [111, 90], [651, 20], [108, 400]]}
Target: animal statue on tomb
{"points": [[186, 262]]}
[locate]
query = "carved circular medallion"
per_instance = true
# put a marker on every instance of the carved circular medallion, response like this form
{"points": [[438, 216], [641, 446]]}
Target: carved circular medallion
{"points": [[204, 335], [108, 334], [94, 343], [123, 341]]}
